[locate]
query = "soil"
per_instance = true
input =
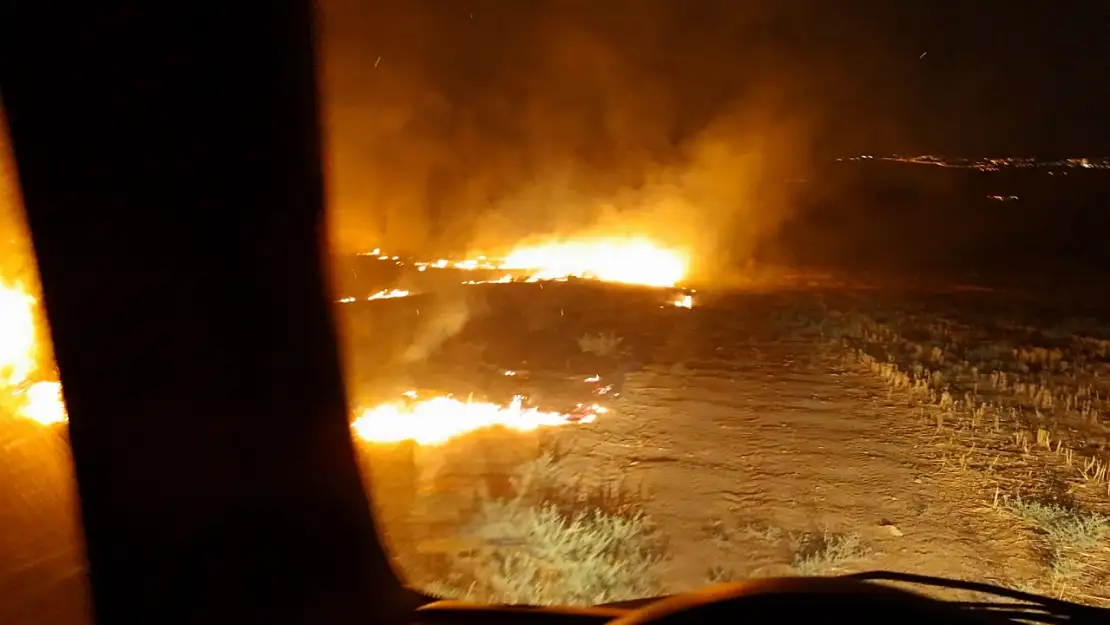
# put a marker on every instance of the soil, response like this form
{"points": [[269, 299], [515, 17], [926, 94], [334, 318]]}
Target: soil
{"points": [[796, 442], [746, 429], [745, 420]]}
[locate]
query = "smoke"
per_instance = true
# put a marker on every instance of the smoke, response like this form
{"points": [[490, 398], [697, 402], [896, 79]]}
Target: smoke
{"points": [[447, 318], [463, 127]]}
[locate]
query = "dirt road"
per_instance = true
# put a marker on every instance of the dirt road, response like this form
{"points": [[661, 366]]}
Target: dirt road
{"points": [[740, 461]]}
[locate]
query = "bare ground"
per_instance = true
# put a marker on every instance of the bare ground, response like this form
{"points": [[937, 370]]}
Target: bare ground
{"points": [[793, 442], [749, 438], [765, 447]]}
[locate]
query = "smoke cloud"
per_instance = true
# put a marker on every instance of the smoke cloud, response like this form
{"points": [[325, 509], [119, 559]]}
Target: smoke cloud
{"points": [[470, 127]]}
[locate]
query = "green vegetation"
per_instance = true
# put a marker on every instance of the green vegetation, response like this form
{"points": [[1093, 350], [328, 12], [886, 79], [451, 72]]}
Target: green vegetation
{"points": [[824, 553], [556, 541], [1068, 533]]}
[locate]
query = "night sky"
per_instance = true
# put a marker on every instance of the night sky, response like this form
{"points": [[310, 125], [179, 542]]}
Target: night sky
{"points": [[498, 109]]}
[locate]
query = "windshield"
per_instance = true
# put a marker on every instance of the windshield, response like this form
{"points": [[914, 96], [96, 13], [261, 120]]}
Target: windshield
{"points": [[640, 297]]}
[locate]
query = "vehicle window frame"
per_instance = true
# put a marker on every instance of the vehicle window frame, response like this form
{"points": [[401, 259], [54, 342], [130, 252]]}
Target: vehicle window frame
{"points": [[169, 161]]}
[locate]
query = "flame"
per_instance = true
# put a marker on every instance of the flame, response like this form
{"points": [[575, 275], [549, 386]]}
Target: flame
{"points": [[383, 294], [684, 301], [389, 294], [19, 354], [437, 420], [18, 349], [44, 403], [628, 261], [635, 260], [505, 279]]}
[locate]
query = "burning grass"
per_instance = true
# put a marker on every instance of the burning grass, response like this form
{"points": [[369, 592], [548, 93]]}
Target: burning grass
{"points": [[475, 505], [623, 260], [436, 420], [966, 433]]}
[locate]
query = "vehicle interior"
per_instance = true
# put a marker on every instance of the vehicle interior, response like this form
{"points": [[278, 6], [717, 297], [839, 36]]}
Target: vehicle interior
{"points": [[171, 167]]}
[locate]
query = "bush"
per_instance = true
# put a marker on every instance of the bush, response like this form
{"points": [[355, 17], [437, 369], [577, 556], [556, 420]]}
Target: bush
{"points": [[603, 345], [556, 543]]}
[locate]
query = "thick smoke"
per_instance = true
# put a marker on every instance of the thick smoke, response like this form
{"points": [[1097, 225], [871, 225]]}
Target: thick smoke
{"points": [[463, 127]]}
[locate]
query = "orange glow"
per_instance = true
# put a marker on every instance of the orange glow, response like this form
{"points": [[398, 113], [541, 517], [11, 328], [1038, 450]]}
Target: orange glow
{"points": [[19, 355], [43, 403], [628, 261], [17, 334], [436, 421], [635, 260], [383, 294], [684, 301], [389, 294]]}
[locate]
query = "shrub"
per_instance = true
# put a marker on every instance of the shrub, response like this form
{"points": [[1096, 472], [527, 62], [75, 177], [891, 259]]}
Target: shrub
{"points": [[601, 344], [556, 543]]}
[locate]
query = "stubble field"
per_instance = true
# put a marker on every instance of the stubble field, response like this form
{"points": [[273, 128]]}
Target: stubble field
{"points": [[812, 431], [762, 432]]}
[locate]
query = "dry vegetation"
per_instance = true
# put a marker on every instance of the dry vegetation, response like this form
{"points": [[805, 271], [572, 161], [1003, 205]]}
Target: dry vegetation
{"points": [[539, 537], [754, 440], [1019, 408]]}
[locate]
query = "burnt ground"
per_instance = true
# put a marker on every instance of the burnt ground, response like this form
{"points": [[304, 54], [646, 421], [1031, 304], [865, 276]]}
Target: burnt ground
{"points": [[748, 426]]}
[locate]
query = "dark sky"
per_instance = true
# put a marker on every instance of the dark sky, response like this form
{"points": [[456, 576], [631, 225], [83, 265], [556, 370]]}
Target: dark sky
{"points": [[455, 119]]}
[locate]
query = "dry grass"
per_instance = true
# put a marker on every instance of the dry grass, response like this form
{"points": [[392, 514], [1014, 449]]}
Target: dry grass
{"points": [[551, 539], [602, 344], [808, 553], [825, 553], [1069, 535], [989, 405], [1010, 407]]}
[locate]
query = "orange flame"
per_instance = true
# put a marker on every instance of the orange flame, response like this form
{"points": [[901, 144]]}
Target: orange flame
{"points": [[44, 403], [19, 355], [684, 301], [628, 261], [635, 260], [383, 294], [435, 421]]}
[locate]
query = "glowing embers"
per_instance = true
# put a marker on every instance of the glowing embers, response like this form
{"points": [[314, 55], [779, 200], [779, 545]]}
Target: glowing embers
{"points": [[683, 300], [383, 294]]}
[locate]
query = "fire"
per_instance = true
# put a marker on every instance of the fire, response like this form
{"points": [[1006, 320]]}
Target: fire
{"points": [[437, 420], [505, 279], [44, 403], [383, 294], [624, 260], [629, 261], [19, 353], [17, 335], [389, 294], [684, 301]]}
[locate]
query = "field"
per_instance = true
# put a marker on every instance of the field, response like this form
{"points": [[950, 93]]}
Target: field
{"points": [[804, 429], [954, 433]]}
